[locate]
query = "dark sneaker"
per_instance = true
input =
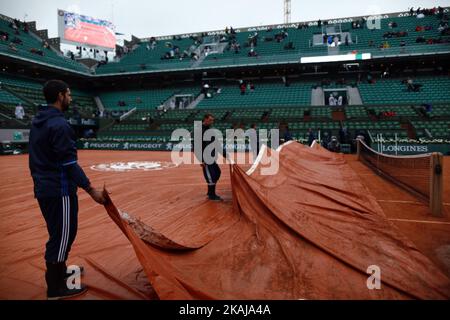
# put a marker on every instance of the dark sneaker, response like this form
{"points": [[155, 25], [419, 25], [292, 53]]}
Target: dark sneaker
{"points": [[214, 198], [65, 293]]}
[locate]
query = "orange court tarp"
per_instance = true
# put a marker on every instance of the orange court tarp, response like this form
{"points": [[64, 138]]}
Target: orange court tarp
{"points": [[310, 231]]}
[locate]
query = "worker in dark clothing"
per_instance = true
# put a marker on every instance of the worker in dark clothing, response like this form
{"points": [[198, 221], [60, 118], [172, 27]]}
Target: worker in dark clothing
{"points": [[211, 170], [56, 176]]}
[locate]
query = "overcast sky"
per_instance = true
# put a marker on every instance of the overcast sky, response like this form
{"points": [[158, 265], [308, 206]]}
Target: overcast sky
{"points": [[165, 17]]}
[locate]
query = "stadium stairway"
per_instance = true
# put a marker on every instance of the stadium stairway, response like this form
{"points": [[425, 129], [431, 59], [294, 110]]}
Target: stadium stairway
{"points": [[354, 97], [317, 97]]}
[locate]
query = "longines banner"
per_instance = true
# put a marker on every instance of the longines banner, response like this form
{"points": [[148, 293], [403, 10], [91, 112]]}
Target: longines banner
{"points": [[411, 149]]}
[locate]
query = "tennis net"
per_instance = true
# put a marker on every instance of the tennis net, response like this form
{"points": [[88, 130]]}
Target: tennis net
{"points": [[418, 174]]}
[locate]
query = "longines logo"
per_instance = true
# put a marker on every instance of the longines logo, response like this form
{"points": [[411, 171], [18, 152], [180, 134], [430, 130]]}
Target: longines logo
{"points": [[412, 148]]}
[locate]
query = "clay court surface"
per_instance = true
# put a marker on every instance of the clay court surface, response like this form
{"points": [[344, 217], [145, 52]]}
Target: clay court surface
{"points": [[177, 194]]}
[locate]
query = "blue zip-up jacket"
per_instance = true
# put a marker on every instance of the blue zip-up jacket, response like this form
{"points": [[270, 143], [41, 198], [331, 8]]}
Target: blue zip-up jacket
{"points": [[53, 156]]}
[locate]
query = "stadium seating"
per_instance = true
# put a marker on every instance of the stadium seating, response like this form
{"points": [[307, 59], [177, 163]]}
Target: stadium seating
{"points": [[151, 58], [8, 98], [265, 94], [437, 129], [388, 91], [388, 108], [358, 112], [440, 111], [275, 52], [30, 90], [149, 99], [30, 41]]}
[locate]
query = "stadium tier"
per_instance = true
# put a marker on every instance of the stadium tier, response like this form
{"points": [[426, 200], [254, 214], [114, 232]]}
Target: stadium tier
{"points": [[264, 94], [285, 45], [385, 91], [30, 47], [29, 93], [391, 35], [143, 99]]}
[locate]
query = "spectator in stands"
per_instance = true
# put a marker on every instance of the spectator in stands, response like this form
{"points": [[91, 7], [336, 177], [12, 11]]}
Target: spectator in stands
{"points": [[421, 39], [4, 35], [45, 44], [243, 88], [330, 40], [205, 90], [311, 136], [331, 100], [319, 23], [393, 24], [334, 145], [371, 44], [326, 138], [252, 53], [370, 79], [17, 41], [37, 51], [253, 40], [426, 109], [346, 40], [19, 112], [289, 46], [281, 36], [12, 47], [336, 41], [13, 25], [287, 136], [442, 26], [344, 135], [340, 101], [411, 86]]}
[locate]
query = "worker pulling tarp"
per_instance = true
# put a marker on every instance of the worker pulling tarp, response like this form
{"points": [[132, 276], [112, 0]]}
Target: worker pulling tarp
{"points": [[310, 231]]}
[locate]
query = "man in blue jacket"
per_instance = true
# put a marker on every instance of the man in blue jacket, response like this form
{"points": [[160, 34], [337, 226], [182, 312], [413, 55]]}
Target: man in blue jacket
{"points": [[56, 176]]}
